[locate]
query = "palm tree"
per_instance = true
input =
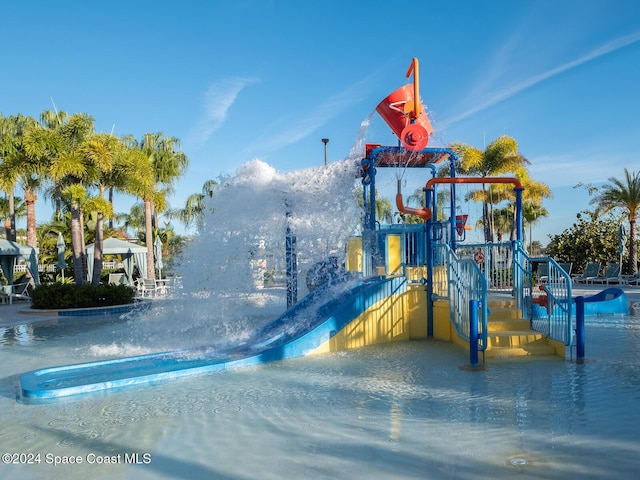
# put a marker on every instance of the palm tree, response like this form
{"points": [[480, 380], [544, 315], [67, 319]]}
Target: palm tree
{"points": [[18, 210], [13, 155], [533, 195], [77, 195], [531, 213], [168, 164], [70, 171], [194, 209], [500, 157], [384, 210], [624, 194], [97, 153], [134, 220], [143, 186]]}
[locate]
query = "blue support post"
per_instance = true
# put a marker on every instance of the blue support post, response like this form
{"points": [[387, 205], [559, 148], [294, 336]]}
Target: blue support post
{"points": [[291, 262], [580, 333], [519, 213], [429, 261], [369, 249], [473, 332]]}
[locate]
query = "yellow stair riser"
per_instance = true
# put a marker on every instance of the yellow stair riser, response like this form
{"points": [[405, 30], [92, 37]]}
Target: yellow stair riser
{"points": [[538, 349], [502, 313], [501, 304], [502, 325], [512, 339]]}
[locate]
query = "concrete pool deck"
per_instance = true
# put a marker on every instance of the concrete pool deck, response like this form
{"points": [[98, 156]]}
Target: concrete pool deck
{"points": [[19, 313]]}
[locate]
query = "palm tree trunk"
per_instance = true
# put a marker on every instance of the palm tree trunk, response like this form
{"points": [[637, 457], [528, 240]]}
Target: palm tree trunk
{"points": [[148, 209], [98, 250], [77, 245], [11, 231], [111, 202], [633, 246], [30, 198], [485, 222], [85, 268]]}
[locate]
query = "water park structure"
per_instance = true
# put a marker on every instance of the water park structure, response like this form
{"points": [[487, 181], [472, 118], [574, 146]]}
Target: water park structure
{"points": [[399, 282]]}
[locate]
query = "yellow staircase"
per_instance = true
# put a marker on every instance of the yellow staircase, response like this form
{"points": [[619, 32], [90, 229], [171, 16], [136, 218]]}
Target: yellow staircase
{"points": [[509, 335]]}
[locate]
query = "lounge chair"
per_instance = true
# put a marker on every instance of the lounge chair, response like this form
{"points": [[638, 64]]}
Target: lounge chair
{"points": [[566, 266], [148, 287], [590, 271], [117, 279], [631, 279], [19, 291], [542, 272], [611, 275], [5, 293]]}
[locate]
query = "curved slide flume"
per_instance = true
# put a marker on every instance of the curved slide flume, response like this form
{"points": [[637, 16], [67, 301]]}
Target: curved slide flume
{"points": [[301, 329]]}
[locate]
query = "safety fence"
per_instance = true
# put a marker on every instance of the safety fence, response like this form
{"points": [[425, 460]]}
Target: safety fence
{"points": [[463, 283], [540, 286]]}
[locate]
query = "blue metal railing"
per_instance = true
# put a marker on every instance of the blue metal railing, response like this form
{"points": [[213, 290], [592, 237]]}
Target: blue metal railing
{"points": [[540, 286], [464, 282], [547, 297], [496, 262]]}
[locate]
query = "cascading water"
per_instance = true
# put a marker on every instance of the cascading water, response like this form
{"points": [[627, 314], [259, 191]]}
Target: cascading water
{"points": [[233, 273], [226, 316], [243, 236]]}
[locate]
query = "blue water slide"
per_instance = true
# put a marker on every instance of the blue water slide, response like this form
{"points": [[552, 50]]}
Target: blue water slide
{"points": [[304, 327]]}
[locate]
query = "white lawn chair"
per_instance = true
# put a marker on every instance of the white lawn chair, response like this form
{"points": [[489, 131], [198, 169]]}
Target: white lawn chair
{"points": [[5, 293], [147, 287], [117, 279]]}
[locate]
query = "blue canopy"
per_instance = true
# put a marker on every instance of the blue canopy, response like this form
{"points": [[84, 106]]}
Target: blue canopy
{"points": [[11, 252]]}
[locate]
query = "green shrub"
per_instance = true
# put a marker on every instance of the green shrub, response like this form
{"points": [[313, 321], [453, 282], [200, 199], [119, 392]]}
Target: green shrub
{"points": [[57, 296]]}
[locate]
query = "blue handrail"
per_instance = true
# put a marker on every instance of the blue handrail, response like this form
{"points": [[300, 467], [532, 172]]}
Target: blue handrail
{"points": [[465, 282], [547, 297]]}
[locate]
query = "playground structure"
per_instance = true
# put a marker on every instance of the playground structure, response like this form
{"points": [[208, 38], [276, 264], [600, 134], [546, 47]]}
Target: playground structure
{"points": [[484, 296], [402, 281]]}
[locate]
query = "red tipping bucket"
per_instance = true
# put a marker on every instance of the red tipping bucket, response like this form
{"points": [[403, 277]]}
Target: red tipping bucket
{"points": [[396, 109]]}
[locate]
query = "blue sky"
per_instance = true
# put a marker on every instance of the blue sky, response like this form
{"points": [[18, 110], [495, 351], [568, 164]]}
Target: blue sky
{"points": [[243, 79]]}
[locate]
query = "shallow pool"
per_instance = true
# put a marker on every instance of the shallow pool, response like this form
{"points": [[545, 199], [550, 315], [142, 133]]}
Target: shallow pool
{"points": [[403, 410]]}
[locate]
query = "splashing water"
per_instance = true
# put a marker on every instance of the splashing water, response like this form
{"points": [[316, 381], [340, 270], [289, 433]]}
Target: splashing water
{"points": [[233, 273], [243, 238]]}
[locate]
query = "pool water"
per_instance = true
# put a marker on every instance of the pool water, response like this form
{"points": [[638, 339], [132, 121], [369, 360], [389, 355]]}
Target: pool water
{"points": [[394, 411]]}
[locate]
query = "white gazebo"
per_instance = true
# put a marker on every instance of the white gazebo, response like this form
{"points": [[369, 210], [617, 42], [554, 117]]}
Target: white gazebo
{"points": [[131, 253]]}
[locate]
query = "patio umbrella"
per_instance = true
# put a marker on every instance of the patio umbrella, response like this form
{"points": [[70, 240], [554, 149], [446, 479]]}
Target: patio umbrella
{"points": [[622, 241], [157, 253], [61, 264]]}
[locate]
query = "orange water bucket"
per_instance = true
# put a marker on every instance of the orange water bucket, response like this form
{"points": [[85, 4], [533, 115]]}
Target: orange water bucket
{"points": [[396, 110]]}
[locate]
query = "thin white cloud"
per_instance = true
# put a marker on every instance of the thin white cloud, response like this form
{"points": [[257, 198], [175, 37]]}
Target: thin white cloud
{"points": [[304, 126], [513, 90], [218, 99], [569, 169]]}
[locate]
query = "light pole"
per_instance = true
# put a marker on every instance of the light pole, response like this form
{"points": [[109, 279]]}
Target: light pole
{"points": [[325, 141]]}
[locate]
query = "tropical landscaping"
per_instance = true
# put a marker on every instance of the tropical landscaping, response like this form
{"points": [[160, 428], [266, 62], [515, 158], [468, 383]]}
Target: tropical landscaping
{"points": [[60, 158]]}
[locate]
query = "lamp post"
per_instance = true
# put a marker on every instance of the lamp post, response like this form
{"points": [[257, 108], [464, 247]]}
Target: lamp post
{"points": [[325, 141]]}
